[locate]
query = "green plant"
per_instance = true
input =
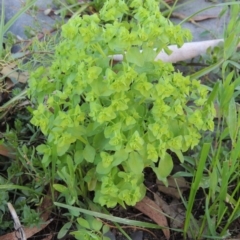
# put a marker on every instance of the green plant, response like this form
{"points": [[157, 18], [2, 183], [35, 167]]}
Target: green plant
{"points": [[90, 228], [216, 170], [95, 214], [106, 122]]}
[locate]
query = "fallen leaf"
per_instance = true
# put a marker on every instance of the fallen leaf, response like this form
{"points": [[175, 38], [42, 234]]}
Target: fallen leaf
{"points": [[46, 206], [10, 72], [152, 210], [176, 214], [174, 211], [7, 152], [173, 185], [29, 232], [197, 18], [200, 18]]}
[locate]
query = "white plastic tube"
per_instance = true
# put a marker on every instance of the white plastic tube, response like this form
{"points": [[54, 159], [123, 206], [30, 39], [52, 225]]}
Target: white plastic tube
{"points": [[187, 51]]}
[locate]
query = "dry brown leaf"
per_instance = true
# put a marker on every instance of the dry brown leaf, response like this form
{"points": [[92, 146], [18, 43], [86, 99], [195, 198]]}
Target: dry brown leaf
{"points": [[152, 210], [176, 213], [28, 232], [173, 210], [9, 236], [173, 185], [46, 206], [7, 152], [198, 18], [49, 237], [10, 72]]}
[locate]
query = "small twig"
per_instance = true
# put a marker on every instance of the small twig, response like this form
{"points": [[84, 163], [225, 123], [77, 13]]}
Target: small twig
{"points": [[17, 225]]}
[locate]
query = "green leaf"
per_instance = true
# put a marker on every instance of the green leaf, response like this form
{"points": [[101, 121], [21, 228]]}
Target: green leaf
{"points": [[63, 231], [232, 120], [91, 179], [109, 217], [46, 160], [96, 224], [206, 70], [196, 182], [78, 157], [213, 94], [42, 148], [78, 132], [60, 188], [119, 156], [133, 55], [103, 170], [89, 153], [2, 27], [179, 155], [165, 167], [213, 182], [99, 141], [230, 45], [61, 149], [82, 222], [105, 229], [135, 163], [149, 54]]}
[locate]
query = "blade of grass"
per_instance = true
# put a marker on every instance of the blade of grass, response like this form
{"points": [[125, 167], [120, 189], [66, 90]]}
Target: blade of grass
{"points": [[81, 9], [223, 189], [2, 28], [195, 184], [232, 120], [17, 15], [206, 70], [210, 221], [172, 8], [118, 226], [14, 187], [166, 12], [109, 217], [11, 102], [122, 231], [235, 214]]}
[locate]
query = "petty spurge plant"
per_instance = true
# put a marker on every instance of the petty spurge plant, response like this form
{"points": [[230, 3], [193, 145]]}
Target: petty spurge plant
{"points": [[104, 121]]}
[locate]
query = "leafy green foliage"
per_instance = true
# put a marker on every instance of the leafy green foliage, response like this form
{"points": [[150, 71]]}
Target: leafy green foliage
{"points": [[22, 179], [31, 217], [90, 228], [106, 122]]}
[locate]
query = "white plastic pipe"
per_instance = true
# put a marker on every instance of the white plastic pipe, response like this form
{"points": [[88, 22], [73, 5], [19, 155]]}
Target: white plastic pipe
{"points": [[187, 51]]}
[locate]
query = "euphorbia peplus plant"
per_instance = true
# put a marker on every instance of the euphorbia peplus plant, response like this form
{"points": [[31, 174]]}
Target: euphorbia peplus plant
{"points": [[114, 120]]}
